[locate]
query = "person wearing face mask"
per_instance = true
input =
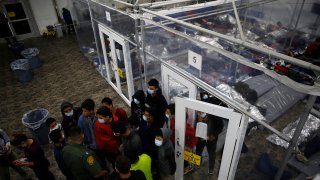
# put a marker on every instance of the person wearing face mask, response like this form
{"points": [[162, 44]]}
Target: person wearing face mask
{"points": [[166, 159], [52, 124], [34, 156], [70, 116], [214, 128], [81, 161], [107, 142], [57, 137], [147, 134], [138, 107], [156, 100]]}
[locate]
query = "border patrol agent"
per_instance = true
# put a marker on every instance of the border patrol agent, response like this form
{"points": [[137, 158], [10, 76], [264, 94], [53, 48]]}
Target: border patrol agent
{"points": [[79, 160]]}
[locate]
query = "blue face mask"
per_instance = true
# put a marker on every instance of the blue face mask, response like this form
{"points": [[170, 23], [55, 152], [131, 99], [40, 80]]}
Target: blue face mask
{"points": [[136, 101], [150, 91]]}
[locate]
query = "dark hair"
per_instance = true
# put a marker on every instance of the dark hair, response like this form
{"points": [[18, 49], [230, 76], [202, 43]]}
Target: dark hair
{"points": [[153, 82], [132, 154], [123, 164], [107, 100], [118, 127], [134, 120], [55, 135], [88, 104], [105, 112], [75, 132], [158, 132], [172, 108], [17, 139], [49, 121], [151, 111]]}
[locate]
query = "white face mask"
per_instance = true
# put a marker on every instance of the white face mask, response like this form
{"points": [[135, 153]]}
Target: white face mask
{"points": [[167, 115], [203, 115], [157, 142], [205, 96], [116, 134], [144, 118], [150, 91], [136, 101], [58, 126], [101, 121], [137, 128], [69, 113]]}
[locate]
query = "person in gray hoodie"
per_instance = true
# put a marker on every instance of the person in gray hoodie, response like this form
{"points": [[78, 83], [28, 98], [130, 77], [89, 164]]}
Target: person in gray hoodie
{"points": [[167, 164]]}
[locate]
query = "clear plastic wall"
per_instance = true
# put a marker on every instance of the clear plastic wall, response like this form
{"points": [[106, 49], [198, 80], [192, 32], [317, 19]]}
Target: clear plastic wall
{"points": [[284, 25], [119, 20], [84, 29], [221, 67], [115, 18]]}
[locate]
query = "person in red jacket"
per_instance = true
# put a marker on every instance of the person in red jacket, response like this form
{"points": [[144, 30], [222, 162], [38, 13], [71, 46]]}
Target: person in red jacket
{"points": [[107, 142], [190, 136], [117, 112]]}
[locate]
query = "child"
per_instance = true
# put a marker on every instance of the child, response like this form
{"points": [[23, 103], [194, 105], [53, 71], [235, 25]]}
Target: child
{"points": [[107, 142], [167, 164]]}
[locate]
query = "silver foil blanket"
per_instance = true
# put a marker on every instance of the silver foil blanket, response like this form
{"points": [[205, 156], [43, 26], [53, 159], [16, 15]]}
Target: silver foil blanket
{"points": [[312, 124]]}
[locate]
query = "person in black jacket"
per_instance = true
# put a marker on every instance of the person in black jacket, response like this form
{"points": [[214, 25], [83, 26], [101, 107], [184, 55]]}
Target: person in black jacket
{"points": [[138, 107], [70, 116], [68, 20], [214, 128], [147, 134], [156, 100]]}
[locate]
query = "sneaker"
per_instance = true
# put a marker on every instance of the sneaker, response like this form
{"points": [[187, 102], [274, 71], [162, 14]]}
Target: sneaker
{"points": [[210, 171]]}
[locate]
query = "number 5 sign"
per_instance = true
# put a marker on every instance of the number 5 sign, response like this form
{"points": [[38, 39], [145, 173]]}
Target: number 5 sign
{"points": [[195, 60]]}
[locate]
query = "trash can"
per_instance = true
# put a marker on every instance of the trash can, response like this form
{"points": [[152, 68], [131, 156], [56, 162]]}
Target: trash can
{"points": [[22, 70], [32, 55], [59, 30], [16, 49], [35, 120]]}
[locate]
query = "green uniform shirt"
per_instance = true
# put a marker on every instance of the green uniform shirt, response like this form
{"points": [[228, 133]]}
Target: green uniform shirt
{"points": [[80, 161], [144, 165]]}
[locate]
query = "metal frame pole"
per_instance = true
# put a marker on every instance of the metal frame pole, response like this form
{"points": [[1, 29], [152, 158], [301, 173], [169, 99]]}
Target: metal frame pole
{"points": [[240, 42], [136, 10], [297, 132], [238, 20], [296, 24], [144, 54]]}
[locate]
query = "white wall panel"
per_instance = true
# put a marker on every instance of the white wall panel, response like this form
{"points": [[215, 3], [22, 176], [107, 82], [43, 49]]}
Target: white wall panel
{"points": [[44, 13]]}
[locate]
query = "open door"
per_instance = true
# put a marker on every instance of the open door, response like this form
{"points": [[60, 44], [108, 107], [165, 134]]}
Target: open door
{"points": [[235, 132], [116, 54]]}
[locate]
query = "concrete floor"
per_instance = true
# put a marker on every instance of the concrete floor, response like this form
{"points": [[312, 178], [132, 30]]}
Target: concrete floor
{"points": [[67, 75]]}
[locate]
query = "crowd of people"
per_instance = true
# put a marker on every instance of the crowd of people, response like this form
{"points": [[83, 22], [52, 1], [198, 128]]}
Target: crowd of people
{"points": [[104, 143]]}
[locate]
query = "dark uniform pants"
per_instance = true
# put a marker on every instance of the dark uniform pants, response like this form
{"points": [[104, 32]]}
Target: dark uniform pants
{"points": [[211, 147]]}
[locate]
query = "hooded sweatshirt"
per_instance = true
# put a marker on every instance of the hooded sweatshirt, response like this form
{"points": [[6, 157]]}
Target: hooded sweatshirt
{"points": [[167, 164], [68, 122], [159, 103], [138, 109]]}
